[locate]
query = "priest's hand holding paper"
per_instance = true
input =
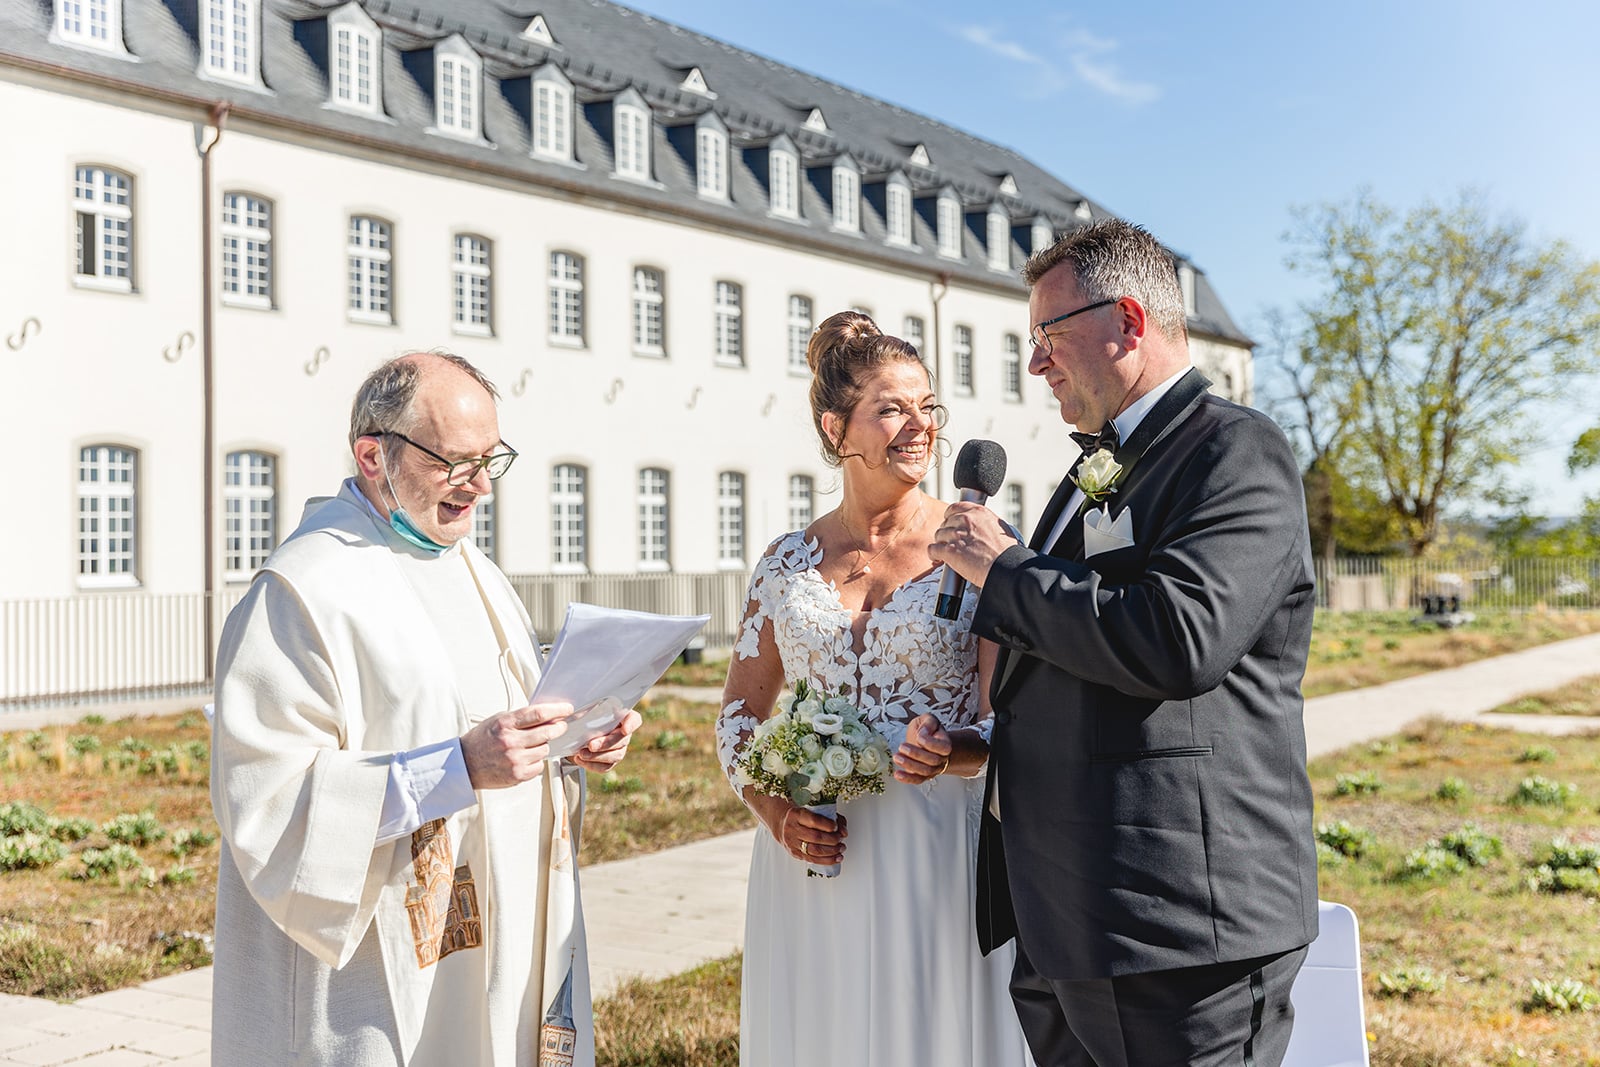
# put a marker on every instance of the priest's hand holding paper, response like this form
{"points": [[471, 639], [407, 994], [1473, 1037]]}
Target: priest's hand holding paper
{"points": [[511, 747], [602, 753]]}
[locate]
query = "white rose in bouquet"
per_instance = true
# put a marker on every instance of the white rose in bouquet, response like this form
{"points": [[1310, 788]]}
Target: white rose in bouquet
{"points": [[838, 705], [855, 733], [826, 723], [869, 761], [811, 746], [772, 762], [807, 707], [815, 771], [838, 761]]}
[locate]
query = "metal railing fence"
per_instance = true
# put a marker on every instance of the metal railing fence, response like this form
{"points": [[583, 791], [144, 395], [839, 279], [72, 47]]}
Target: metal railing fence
{"points": [[1511, 583]]}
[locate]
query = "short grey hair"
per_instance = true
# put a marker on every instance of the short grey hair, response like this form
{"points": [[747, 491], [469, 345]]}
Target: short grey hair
{"points": [[1111, 259], [383, 403]]}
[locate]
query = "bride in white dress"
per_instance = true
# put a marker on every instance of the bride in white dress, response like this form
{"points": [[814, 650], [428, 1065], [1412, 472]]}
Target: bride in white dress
{"points": [[878, 967]]}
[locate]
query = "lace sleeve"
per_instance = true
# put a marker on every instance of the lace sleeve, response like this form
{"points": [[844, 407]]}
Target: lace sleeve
{"points": [[755, 673]]}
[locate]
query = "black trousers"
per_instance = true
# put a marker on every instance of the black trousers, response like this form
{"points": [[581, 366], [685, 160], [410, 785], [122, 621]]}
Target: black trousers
{"points": [[1233, 1014]]}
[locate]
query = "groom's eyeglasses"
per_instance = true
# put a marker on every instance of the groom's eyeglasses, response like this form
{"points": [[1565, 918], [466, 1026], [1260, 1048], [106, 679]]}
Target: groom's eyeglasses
{"points": [[1040, 339], [462, 471]]}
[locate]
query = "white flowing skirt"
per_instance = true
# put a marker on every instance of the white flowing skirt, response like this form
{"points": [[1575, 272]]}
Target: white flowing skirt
{"points": [[880, 966]]}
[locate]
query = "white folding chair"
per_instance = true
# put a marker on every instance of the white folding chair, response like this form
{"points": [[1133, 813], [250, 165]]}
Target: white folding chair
{"points": [[1330, 1019]]}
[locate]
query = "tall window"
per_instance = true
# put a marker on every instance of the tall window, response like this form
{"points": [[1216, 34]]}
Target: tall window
{"points": [[649, 312], [730, 519], [566, 298], [802, 501], [249, 513], [107, 508], [653, 520], [1186, 283], [846, 199], [92, 22], [458, 95], [783, 183], [632, 137], [912, 334], [246, 250], [552, 120], [1013, 505], [355, 52], [1011, 366], [961, 357], [569, 534], [230, 38], [999, 234], [799, 332], [485, 525], [1043, 235], [729, 324], [949, 217], [103, 201], [711, 162], [897, 208], [370, 259], [471, 285]]}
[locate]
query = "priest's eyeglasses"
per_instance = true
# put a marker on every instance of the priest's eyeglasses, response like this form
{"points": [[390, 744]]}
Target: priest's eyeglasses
{"points": [[1040, 339], [462, 471]]}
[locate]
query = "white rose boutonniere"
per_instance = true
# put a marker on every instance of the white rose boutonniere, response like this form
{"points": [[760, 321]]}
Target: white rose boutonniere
{"points": [[1097, 476]]}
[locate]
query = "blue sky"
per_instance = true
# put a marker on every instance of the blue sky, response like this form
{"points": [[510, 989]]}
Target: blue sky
{"points": [[1209, 122]]}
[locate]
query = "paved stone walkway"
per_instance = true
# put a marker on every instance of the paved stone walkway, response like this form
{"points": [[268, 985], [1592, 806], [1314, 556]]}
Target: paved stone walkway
{"points": [[660, 914]]}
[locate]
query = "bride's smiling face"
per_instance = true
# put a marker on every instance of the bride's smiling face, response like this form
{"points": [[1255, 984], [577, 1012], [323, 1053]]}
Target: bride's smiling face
{"points": [[894, 424]]}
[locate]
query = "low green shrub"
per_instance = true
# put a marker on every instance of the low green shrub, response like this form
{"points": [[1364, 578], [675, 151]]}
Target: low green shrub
{"points": [[1539, 791], [20, 817], [1429, 862], [140, 829], [1452, 789], [1344, 839], [1408, 982], [107, 862], [29, 851], [1560, 997], [1346, 785]]}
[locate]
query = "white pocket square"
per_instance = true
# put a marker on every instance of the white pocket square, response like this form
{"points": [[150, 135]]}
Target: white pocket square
{"points": [[1101, 533]]}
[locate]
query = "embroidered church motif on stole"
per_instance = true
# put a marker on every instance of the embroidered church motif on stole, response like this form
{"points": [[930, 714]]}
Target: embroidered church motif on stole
{"points": [[443, 904]]}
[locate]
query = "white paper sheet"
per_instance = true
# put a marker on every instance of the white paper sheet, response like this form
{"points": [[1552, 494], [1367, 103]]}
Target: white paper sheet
{"points": [[603, 661]]}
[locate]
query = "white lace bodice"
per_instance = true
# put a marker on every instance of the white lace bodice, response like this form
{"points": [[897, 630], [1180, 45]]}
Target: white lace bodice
{"points": [[910, 663]]}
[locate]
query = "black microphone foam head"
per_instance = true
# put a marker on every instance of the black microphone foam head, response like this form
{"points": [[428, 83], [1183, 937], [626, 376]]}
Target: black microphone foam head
{"points": [[981, 465]]}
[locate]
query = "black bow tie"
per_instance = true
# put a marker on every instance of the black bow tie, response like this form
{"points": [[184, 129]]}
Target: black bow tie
{"points": [[1093, 442]]}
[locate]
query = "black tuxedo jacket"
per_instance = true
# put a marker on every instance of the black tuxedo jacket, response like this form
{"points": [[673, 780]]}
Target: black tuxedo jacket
{"points": [[1149, 747]]}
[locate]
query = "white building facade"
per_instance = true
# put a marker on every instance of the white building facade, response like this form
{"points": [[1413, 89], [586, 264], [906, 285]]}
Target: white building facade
{"points": [[222, 214]]}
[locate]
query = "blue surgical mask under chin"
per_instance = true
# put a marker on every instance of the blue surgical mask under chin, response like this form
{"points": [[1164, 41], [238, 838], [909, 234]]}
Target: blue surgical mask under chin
{"points": [[401, 523]]}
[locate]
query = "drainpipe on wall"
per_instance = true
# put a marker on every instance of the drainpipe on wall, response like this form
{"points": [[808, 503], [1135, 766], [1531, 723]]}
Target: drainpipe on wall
{"points": [[219, 116], [939, 286]]}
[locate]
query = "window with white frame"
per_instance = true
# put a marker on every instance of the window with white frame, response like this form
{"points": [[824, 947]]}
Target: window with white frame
{"points": [[457, 102], [961, 360], [470, 285], [96, 23], [1043, 236], [999, 241], [632, 136], [897, 212], [654, 517], [355, 69], [249, 513], [783, 183], [370, 257], [649, 312], [912, 334], [108, 498], [569, 532], [802, 501], [484, 526], [730, 519], [729, 325], [1186, 283], [228, 28], [552, 119], [566, 298], [246, 250], [799, 332], [1012, 511], [948, 216], [1011, 366], [103, 202], [711, 162], [846, 198]]}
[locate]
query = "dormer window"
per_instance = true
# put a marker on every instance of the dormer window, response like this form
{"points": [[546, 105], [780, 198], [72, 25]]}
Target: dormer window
{"points": [[552, 114], [456, 99], [711, 158], [94, 23], [949, 224], [1186, 283], [229, 39], [846, 195], [783, 181], [1082, 211], [632, 137], [695, 82], [897, 210], [1008, 186], [354, 82], [1042, 236], [998, 228], [538, 31], [815, 121], [919, 156]]}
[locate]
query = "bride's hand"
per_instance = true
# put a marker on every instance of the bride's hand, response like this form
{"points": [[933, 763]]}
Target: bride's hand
{"points": [[925, 753], [805, 835]]}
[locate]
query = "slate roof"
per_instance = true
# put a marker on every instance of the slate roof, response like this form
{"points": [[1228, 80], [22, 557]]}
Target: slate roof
{"points": [[603, 49]]}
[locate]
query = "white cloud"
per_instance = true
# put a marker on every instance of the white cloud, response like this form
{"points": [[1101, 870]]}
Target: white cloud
{"points": [[1105, 78], [984, 37], [1085, 54]]}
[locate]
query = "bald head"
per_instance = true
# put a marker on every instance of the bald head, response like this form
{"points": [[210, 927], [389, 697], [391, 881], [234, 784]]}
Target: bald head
{"points": [[387, 399]]}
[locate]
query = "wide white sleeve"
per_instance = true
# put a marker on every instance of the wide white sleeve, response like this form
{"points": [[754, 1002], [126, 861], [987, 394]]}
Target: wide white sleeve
{"points": [[425, 784], [298, 810]]}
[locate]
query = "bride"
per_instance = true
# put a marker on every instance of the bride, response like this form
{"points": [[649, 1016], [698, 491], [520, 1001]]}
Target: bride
{"points": [[878, 967]]}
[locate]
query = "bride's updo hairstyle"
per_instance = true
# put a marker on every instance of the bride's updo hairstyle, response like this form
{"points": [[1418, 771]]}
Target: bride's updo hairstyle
{"points": [[845, 351]]}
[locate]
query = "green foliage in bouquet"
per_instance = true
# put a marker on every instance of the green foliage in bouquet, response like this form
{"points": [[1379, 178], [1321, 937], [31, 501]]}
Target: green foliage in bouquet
{"points": [[818, 750]]}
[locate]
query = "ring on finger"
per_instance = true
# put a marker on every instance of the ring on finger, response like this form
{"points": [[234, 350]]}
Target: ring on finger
{"points": [[805, 848]]}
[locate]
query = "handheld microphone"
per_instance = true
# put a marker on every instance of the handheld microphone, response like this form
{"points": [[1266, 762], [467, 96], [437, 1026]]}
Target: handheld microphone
{"points": [[980, 471]]}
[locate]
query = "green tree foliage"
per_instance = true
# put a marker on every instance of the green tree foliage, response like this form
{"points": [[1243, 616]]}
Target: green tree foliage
{"points": [[1436, 332]]}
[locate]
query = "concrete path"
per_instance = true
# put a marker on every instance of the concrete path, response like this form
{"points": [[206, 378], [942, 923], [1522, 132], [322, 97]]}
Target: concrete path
{"points": [[660, 914]]}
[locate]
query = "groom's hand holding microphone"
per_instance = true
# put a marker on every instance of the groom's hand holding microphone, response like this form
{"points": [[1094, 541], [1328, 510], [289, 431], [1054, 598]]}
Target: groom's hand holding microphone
{"points": [[971, 537]]}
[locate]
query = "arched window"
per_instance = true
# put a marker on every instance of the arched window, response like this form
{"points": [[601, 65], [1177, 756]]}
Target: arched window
{"points": [[799, 332], [552, 116], [102, 200], [654, 520], [228, 34], [456, 98], [999, 240], [355, 64], [730, 520], [897, 212], [569, 530], [961, 360], [108, 507], [783, 183], [1011, 366], [246, 250], [471, 284], [802, 501], [95, 23], [711, 162], [846, 197], [632, 138], [370, 276], [649, 312], [729, 324], [948, 214], [566, 298]]}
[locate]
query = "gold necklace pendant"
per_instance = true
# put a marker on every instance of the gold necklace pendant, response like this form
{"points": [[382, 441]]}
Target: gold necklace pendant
{"points": [[866, 568]]}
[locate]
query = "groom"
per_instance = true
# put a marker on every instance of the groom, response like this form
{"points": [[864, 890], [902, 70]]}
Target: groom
{"points": [[1147, 837]]}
